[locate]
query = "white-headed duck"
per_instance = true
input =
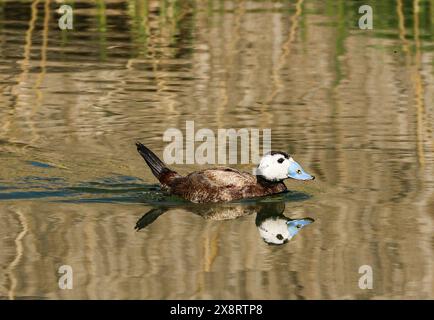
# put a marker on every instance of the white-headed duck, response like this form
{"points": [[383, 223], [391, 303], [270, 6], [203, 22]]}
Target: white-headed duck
{"points": [[224, 184]]}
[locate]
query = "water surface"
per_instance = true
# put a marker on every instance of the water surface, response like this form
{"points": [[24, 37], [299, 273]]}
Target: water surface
{"points": [[354, 107]]}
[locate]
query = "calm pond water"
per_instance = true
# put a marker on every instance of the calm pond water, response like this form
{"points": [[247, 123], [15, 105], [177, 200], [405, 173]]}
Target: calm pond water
{"points": [[354, 107]]}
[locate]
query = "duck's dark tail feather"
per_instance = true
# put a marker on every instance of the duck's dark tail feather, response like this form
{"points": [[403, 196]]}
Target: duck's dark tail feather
{"points": [[158, 168]]}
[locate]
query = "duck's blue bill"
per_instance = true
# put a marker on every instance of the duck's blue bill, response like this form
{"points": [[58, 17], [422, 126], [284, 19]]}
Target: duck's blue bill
{"points": [[295, 171], [294, 226]]}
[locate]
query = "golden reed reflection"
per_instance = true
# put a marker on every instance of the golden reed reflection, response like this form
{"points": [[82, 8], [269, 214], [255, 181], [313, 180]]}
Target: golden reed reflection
{"points": [[10, 270], [40, 78], [286, 51], [419, 88], [24, 65]]}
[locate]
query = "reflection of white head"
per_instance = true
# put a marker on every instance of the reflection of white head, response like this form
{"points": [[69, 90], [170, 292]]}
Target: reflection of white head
{"points": [[274, 231], [274, 166], [279, 229]]}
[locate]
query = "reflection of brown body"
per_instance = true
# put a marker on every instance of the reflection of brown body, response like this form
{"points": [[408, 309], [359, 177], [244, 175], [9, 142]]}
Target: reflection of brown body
{"points": [[270, 220], [210, 212], [210, 185], [217, 212]]}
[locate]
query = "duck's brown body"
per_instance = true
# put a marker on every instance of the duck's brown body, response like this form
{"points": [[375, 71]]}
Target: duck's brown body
{"points": [[222, 184], [210, 185]]}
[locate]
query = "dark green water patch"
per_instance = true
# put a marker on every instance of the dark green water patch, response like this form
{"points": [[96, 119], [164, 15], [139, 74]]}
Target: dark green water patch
{"points": [[111, 190]]}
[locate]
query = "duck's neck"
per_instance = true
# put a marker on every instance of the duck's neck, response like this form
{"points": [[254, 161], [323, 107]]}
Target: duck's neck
{"points": [[271, 187], [266, 183]]}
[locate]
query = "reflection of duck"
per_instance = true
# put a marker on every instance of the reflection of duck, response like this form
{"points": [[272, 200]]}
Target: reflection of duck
{"points": [[226, 184], [273, 226]]}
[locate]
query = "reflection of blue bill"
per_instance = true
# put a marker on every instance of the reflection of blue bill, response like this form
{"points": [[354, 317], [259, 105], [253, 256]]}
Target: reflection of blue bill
{"points": [[294, 226]]}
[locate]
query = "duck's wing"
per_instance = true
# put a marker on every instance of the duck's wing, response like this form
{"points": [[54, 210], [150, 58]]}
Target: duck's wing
{"points": [[224, 177], [214, 185]]}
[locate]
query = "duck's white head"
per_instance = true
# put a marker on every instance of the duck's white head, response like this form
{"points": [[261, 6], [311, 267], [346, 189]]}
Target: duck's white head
{"points": [[278, 166]]}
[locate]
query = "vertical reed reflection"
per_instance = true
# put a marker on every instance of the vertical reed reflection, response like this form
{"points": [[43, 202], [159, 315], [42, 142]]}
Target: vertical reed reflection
{"points": [[11, 269]]}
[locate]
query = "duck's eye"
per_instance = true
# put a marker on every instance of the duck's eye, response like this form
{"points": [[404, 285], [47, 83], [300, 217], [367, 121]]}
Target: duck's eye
{"points": [[280, 160], [298, 226], [298, 171]]}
